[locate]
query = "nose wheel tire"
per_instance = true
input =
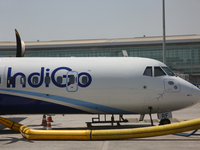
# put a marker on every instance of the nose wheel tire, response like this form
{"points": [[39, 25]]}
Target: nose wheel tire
{"points": [[164, 121]]}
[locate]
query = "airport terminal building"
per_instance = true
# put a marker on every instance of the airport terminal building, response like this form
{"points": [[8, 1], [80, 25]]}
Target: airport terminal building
{"points": [[182, 52]]}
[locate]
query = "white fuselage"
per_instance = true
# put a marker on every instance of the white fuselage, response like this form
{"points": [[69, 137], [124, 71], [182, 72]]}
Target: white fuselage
{"points": [[90, 85]]}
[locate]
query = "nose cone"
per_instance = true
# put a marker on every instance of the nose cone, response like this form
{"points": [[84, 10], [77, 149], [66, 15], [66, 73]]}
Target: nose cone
{"points": [[196, 94]]}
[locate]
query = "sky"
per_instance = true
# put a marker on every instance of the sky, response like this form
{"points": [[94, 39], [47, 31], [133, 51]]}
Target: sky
{"points": [[47, 20]]}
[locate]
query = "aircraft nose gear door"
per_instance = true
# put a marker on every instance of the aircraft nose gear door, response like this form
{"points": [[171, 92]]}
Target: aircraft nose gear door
{"points": [[72, 81]]}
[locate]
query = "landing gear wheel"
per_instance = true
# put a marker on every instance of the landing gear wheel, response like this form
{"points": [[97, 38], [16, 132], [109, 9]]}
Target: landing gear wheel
{"points": [[164, 121]]}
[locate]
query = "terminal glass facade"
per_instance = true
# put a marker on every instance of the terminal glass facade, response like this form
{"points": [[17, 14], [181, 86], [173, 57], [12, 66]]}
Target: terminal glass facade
{"points": [[181, 57]]}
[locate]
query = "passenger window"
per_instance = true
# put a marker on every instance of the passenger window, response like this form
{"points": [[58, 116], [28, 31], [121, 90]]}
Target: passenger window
{"points": [[59, 80], [158, 72], [47, 80], [71, 79], [10, 80], [168, 71], [84, 80], [148, 71], [35, 80], [23, 80]]}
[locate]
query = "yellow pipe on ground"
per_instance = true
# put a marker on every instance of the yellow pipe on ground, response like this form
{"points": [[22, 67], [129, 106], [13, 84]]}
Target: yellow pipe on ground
{"points": [[33, 134], [146, 131], [10, 124]]}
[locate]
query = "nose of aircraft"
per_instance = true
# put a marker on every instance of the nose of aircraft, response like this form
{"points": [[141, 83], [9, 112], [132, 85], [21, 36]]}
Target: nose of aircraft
{"points": [[196, 94]]}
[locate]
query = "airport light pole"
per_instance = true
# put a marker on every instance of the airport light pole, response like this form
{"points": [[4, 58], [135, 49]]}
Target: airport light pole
{"points": [[164, 50]]}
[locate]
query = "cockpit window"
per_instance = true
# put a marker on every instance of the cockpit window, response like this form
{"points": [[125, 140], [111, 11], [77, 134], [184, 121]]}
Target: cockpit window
{"points": [[168, 71], [148, 71], [158, 72]]}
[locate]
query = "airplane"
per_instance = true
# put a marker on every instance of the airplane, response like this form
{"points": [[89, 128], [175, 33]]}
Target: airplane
{"points": [[92, 85]]}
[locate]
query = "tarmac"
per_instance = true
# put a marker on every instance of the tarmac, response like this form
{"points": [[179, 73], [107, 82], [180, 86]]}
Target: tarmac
{"points": [[10, 140]]}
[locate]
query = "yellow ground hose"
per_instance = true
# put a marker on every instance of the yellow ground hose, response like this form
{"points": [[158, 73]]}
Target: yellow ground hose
{"points": [[10, 124], [146, 131], [34, 134]]}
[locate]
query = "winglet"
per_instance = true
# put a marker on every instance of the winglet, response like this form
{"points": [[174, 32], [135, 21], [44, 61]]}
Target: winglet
{"points": [[20, 45]]}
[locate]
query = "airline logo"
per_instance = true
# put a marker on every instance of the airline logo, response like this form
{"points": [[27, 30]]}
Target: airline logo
{"points": [[43, 74]]}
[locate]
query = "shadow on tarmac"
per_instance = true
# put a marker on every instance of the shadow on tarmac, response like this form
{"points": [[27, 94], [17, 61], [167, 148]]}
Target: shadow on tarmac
{"points": [[170, 140], [12, 140], [2, 127]]}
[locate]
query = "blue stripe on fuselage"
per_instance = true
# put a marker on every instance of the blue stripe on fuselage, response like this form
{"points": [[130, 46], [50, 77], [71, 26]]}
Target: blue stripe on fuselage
{"points": [[11, 104], [98, 107]]}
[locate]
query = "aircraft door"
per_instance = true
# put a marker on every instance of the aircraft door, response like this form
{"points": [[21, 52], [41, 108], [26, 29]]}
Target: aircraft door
{"points": [[2, 76], [72, 81]]}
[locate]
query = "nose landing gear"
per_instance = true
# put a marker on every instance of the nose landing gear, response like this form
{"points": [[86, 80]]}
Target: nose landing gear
{"points": [[164, 121], [164, 118]]}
